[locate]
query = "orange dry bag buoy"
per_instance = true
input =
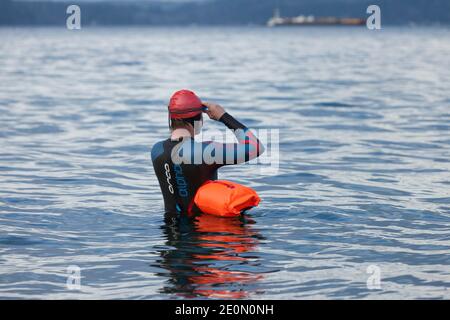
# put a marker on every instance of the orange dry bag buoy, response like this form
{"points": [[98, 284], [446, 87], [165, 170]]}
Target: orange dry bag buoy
{"points": [[225, 198]]}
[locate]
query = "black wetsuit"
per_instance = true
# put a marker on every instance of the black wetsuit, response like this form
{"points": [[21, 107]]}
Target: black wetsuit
{"points": [[183, 165]]}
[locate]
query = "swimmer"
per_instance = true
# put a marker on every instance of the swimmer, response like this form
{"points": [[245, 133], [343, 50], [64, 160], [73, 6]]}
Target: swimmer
{"points": [[182, 165]]}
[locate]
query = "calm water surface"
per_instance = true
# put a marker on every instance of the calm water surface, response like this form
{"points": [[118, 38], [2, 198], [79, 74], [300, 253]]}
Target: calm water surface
{"points": [[363, 180]]}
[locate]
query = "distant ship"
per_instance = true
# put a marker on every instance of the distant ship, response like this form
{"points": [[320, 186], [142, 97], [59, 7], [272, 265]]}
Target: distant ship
{"points": [[310, 20]]}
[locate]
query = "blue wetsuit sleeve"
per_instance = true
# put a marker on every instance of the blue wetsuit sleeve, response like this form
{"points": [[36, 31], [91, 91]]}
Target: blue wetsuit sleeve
{"points": [[219, 154], [248, 147]]}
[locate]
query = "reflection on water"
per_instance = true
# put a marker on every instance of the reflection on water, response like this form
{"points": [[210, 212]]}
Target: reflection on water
{"points": [[206, 254]]}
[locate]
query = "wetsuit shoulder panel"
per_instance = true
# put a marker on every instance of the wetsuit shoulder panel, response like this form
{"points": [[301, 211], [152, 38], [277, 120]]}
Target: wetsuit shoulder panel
{"points": [[157, 149]]}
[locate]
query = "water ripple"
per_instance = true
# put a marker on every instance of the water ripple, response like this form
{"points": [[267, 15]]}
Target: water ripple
{"points": [[363, 177]]}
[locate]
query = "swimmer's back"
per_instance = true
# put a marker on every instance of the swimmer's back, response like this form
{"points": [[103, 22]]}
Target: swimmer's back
{"points": [[183, 165]]}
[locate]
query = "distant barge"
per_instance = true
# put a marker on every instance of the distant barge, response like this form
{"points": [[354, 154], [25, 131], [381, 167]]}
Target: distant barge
{"points": [[310, 20]]}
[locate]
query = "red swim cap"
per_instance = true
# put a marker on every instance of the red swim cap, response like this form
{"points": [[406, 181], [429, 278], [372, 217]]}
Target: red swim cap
{"points": [[184, 104]]}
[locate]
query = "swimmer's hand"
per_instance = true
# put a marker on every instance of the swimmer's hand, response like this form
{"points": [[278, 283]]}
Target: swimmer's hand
{"points": [[214, 111]]}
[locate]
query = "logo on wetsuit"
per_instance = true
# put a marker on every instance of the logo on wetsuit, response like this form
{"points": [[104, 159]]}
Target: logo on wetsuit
{"points": [[181, 181], [168, 176]]}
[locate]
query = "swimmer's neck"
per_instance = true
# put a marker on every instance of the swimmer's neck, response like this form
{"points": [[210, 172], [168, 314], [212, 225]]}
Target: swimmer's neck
{"points": [[182, 133]]}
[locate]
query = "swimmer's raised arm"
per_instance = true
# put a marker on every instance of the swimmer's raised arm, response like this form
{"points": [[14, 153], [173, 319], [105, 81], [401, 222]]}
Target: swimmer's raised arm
{"points": [[248, 147], [214, 111]]}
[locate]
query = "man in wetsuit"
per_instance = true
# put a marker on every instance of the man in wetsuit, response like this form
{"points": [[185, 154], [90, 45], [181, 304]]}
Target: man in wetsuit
{"points": [[183, 165]]}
